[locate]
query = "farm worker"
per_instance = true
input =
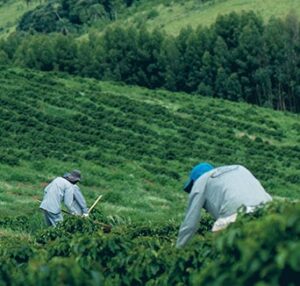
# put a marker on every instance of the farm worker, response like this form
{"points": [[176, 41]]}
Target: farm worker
{"points": [[221, 191], [79, 203], [59, 190]]}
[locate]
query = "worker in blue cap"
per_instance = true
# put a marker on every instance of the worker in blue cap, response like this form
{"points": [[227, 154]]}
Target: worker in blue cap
{"points": [[221, 192]]}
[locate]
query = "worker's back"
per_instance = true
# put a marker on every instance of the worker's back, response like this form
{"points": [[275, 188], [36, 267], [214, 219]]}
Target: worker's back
{"points": [[54, 195], [230, 187]]}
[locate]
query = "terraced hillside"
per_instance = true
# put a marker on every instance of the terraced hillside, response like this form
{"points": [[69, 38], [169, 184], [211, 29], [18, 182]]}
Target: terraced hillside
{"points": [[132, 144], [135, 147]]}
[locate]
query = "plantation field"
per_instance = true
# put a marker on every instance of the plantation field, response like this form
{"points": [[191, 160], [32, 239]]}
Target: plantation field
{"points": [[132, 144], [136, 148]]}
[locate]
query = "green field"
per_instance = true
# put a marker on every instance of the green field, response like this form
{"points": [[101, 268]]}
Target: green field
{"points": [[136, 147], [175, 16], [174, 19], [10, 14], [132, 144], [171, 16]]}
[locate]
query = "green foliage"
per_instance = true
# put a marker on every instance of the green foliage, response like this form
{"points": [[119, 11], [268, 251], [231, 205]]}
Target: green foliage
{"points": [[136, 145], [239, 58], [17, 251], [67, 228], [158, 132], [18, 223], [69, 15], [261, 247], [264, 253]]}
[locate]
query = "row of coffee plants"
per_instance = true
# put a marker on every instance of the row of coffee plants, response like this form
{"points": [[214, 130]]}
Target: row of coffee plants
{"points": [[49, 119], [259, 249]]}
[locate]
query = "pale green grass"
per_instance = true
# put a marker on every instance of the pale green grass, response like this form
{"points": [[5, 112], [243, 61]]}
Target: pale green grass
{"points": [[10, 13], [173, 21], [192, 13], [58, 111], [8, 233], [170, 18]]}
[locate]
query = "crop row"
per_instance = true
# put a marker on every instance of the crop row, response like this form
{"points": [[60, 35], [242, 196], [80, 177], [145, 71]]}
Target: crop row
{"points": [[39, 120], [261, 247]]}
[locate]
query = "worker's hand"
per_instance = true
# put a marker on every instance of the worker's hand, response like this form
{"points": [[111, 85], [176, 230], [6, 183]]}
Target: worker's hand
{"points": [[85, 215]]}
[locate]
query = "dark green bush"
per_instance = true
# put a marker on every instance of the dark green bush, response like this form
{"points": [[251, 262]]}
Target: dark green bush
{"points": [[260, 248], [263, 252]]}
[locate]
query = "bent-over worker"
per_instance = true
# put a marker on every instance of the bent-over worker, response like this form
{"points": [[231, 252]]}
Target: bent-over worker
{"points": [[221, 192], [61, 189]]}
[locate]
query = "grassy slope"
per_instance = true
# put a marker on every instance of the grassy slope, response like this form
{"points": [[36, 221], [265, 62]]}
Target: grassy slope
{"points": [[10, 14], [171, 18], [174, 17], [133, 145]]}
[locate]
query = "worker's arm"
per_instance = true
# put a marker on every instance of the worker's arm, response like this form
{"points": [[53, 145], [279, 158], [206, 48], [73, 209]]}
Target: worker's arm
{"points": [[193, 213], [68, 199], [78, 196]]}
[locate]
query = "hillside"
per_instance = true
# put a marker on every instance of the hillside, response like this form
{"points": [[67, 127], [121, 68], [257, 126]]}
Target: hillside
{"points": [[78, 99], [132, 144], [136, 147], [176, 15], [10, 13], [170, 16], [239, 57]]}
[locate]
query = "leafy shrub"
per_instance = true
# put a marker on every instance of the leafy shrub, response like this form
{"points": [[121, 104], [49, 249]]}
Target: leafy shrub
{"points": [[260, 247], [60, 271], [71, 225], [19, 223], [152, 14], [293, 178], [264, 252], [9, 159], [17, 250]]}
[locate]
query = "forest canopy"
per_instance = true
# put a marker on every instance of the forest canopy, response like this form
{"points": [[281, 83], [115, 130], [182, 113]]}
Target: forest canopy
{"points": [[240, 58]]}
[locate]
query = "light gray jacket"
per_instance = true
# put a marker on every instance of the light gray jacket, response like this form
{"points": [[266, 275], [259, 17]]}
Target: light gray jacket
{"points": [[58, 191], [221, 192], [79, 202]]}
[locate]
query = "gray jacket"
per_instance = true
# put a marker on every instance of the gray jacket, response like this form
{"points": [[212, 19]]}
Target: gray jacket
{"points": [[221, 192], [58, 191], [79, 202]]}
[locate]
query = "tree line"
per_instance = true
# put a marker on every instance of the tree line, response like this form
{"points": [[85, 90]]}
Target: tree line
{"points": [[240, 58], [68, 15]]}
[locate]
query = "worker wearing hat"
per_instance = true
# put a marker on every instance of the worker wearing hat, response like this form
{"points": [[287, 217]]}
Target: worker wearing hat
{"points": [[221, 191], [59, 190]]}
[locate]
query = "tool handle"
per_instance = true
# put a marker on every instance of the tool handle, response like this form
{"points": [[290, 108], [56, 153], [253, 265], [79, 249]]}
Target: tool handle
{"points": [[94, 204]]}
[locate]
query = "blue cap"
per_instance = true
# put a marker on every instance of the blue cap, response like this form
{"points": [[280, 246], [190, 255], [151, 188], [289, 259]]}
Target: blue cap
{"points": [[196, 173]]}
